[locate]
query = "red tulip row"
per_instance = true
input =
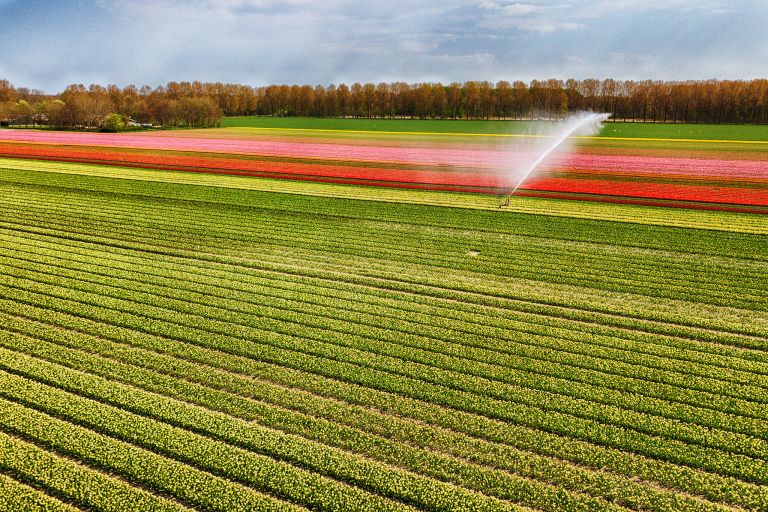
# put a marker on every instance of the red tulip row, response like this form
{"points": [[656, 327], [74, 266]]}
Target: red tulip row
{"points": [[709, 193], [614, 178]]}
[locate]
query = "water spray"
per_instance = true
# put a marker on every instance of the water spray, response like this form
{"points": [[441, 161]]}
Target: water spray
{"points": [[584, 123]]}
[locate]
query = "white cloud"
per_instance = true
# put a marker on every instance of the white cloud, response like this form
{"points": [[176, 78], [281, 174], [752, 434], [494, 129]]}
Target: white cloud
{"points": [[516, 9], [546, 27], [507, 8], [482, 59], [489, 6], [265, 41], [598, 8]]}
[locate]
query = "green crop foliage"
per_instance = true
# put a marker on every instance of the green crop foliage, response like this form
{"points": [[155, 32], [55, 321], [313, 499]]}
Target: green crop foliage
{"points": [[172, 341], [15, 495]]}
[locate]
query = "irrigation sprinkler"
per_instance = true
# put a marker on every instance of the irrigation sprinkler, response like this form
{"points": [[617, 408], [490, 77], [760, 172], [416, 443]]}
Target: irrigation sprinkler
{"points": [[570, 126]]}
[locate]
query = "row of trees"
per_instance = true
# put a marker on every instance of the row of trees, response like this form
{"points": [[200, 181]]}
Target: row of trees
{"points": [[203, 104], [95, 107], [711, 101]]}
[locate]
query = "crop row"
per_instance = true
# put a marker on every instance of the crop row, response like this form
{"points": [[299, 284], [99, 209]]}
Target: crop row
{"points": [[219, 164], [701, 243], [389, 236], [339, 272], [447, 344], [338, 362], [169, 190], [210, 240], [635, 188], [375, 268], [231, 220], [384, 284], [700, 286], [473, 178], [351, 357], [721, 193], [83, 151], [493, 366], [641, 313], [462, 320], [15, 495], [270, 410], [479, 427], [711, 219], [452, 156], [450, 372], [518, 228], [242, 450], [68, 479], [192, 486], [421, 155]]}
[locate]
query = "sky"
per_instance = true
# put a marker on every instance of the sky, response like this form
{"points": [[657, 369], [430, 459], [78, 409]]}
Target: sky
{"points": [[48, 44]]}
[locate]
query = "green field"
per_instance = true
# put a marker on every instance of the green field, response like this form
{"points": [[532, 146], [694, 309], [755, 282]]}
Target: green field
{"points": [[175, 341], [617, 129]]}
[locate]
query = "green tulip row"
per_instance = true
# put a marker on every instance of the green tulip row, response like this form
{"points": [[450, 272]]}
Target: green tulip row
{"points": [[15, 495], [401, 282], [481, 478], [527, 263], [346, 199], [233, 223], [239, 449], [567, 388], [444, 245], [550, 410], [52, 171], [210, 490], [205, 290], [372, 263], [202, 370], [473, 327], [568, 345], [63, 477], [692, 455]]}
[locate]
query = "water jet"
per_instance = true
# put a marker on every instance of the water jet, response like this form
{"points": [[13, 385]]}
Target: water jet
{"points": [[581, 123]]}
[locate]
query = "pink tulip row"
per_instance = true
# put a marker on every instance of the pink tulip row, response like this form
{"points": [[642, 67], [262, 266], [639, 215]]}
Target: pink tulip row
{"points": [[693, 167], [456, 157], [471, 157]]}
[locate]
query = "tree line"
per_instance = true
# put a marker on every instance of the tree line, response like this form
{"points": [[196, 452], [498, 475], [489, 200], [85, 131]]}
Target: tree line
{"points": [[203, 104], [95, 107]]}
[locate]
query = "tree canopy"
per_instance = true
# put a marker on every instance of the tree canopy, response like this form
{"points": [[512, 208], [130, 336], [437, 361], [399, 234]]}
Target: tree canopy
{"points": [[203, 104], [114, 123]]}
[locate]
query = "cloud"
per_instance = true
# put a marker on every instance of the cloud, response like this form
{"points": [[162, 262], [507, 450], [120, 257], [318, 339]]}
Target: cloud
{"points": [[546, 27], [511, 9], [49, 44], [474, 58], [676, 8], [543, 19], [516, 9]]}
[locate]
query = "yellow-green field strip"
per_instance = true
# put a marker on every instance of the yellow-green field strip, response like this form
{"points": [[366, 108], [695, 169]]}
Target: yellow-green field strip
{"points": [[651, 215]]}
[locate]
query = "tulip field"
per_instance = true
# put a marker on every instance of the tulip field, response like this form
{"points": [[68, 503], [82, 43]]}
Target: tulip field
{"points": [[269, 318], [718, 174]]}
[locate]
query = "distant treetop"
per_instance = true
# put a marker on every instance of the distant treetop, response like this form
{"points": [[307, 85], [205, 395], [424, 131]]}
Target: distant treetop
{"points": [[203, 104]]}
